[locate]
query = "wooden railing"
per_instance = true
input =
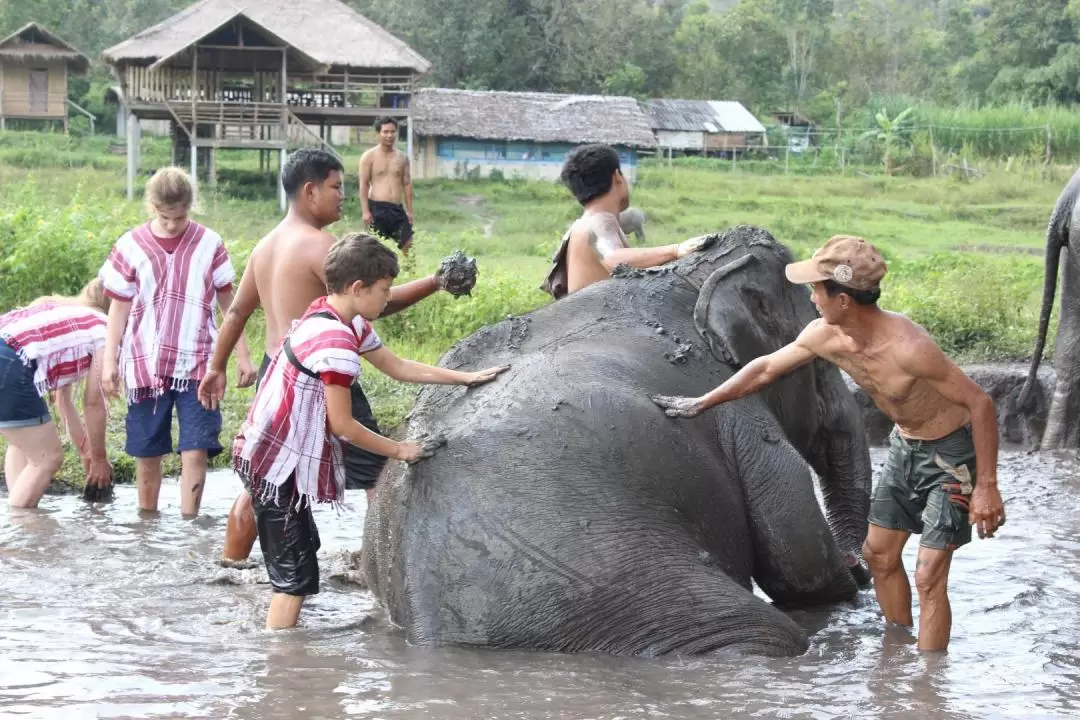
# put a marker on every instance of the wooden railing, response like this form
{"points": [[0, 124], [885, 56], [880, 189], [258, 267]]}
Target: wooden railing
{"points": [[248, 122], [307, 90], [26, 104]]}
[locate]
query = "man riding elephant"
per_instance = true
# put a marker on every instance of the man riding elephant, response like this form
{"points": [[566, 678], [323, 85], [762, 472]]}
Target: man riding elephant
{"points": [[595, 244], [564, 513]]}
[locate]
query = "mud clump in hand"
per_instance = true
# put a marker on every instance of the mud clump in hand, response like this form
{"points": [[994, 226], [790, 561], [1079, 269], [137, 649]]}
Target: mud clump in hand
{"points": [[457, 274]]}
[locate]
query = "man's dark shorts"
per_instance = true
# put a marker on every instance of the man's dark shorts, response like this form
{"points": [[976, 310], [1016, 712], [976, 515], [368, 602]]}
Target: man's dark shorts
{"points": [[149, 425], [288, 538], [391, 221], [362, 467], [925, 487]]}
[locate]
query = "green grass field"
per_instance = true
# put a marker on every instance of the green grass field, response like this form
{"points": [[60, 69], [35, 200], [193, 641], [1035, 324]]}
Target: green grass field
{"points": [[965, 257]]}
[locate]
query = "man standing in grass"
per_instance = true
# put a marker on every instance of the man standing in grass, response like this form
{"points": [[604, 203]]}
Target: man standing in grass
{"points": [[284, 275], [943, 452], [384, 180], [595, 244]]}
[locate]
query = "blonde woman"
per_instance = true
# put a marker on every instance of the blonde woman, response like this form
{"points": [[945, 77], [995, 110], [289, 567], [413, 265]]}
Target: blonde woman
{"points": [[163, 278]]}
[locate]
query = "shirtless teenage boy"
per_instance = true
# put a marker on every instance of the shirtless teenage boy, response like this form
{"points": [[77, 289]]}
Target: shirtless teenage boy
{"points": [[942, 453], [595, 244], [384, 179], [285, 275]]}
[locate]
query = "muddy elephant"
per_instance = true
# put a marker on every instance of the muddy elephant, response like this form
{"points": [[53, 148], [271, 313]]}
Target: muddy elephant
{"points": [[567, 513], [632, 220], [1062, 250]]}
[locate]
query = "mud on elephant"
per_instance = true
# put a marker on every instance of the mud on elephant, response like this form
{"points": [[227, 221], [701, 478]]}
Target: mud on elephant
{"points": [[568, 513]]}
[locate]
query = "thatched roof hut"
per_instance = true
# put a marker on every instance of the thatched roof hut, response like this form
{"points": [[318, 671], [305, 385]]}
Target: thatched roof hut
{"points": [[528, 116], [325, 33], [33, 42]]}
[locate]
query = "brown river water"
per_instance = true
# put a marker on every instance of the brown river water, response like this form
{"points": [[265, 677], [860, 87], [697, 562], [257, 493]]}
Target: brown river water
{"points": [[106, 615]]}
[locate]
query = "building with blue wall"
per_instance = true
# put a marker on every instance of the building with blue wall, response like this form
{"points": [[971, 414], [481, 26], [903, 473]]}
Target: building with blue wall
{"points": [[468, 133]]}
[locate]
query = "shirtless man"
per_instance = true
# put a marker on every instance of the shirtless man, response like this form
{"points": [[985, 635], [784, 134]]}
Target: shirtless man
{"points": [[285, 275], [384, 178], [595, 244], [942, 453]]}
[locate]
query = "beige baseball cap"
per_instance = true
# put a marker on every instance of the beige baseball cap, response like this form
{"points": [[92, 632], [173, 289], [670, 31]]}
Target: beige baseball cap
{"points": [[845, 259]]}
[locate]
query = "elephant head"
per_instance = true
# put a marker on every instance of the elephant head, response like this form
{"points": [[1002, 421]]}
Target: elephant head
{"points": [[746, 308]]}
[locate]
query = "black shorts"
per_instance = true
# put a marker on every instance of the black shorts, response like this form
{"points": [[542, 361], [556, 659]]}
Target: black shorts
{"points": [[289, 540], [362, 467], [390, 220]]}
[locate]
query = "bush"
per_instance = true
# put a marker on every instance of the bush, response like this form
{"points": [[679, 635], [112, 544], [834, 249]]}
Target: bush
{"points": [[47, 251], [976, 308]]}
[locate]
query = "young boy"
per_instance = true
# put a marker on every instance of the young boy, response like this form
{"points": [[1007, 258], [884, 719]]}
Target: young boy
{"points": [[288, 451]]}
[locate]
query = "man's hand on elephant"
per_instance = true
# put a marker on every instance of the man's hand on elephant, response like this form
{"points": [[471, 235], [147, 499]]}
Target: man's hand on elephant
{"points": [[457, 274], [987, 511], [679, 407], [485, 376], [690, 246]]}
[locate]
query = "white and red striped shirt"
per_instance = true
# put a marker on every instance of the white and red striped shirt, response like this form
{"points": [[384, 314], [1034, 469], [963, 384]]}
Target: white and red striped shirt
{"points": [[171, 285], [286, 430], [60, 338]]}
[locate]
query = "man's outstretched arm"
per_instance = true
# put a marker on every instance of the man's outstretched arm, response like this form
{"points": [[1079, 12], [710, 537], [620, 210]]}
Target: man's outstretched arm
{"points": [[755, 375], [607, 240], [403, 296], [244, 303]]}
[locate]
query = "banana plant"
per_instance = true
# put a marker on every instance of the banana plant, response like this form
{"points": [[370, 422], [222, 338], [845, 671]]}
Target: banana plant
{"points": [[889, 133]]}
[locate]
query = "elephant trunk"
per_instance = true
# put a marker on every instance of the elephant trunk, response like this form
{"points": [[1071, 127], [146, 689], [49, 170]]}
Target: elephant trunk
{"points": [[1056, 239], [841, 458]]}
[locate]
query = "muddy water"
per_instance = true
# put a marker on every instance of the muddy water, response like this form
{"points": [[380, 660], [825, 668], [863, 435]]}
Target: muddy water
{"points": [[104, 614]]}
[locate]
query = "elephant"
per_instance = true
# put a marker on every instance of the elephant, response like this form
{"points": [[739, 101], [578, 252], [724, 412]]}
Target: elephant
{"points": [[1063, 420], [565, 512], [632, 220]]}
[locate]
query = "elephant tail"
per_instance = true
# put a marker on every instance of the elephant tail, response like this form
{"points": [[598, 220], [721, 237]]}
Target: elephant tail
{"points": [[1056, 239]]}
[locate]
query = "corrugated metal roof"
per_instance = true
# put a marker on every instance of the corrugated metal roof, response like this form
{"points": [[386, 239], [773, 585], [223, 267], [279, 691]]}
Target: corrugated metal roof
{"points": [[735, 118], [701, 116], [539, 117]]}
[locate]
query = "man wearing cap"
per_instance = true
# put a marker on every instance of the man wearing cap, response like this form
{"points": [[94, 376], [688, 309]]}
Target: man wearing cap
{"points": [[942, 453]]}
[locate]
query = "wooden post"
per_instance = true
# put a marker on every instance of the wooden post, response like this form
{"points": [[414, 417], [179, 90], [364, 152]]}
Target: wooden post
{"points": [[2, 121], [194, 164], [933, 153], [132, 121], [212, 169], [281, 188], [1048, 163], [409, 141], [138, 146]]}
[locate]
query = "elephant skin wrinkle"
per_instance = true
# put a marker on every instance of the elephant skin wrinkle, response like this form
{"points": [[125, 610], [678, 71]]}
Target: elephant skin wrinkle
{"points": [[567, 513]]}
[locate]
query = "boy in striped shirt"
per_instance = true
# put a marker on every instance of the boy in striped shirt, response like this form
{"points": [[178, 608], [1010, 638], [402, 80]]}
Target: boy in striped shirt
{"points": [[163, 278], [288, 452]]}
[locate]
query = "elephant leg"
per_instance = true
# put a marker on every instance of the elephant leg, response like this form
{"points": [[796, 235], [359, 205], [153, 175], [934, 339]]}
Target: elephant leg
{"points": [[796, 560], [623, 591], [1063, 420]]}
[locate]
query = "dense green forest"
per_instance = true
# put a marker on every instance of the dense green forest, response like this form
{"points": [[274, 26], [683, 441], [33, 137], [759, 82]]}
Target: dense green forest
{"points": [[828, 58]]}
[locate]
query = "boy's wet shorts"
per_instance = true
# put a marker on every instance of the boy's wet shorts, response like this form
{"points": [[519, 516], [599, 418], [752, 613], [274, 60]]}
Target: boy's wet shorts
{"points": [[288, 538], [925, 487], [362, 467], [149, 425]]}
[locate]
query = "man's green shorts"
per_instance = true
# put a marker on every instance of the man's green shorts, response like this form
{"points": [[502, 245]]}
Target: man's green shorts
{"points": [[925, 487]]}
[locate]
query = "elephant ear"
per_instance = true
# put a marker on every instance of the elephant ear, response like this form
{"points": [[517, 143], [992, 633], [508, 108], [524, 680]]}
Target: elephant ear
{"points": [[732, 313]]}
